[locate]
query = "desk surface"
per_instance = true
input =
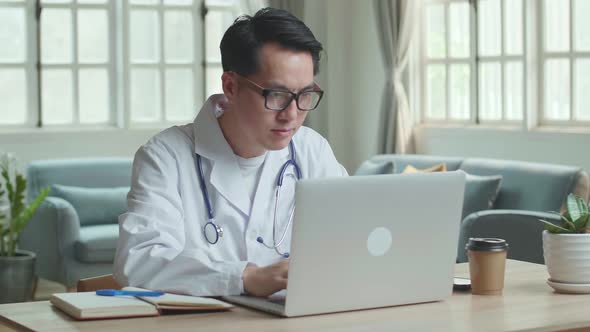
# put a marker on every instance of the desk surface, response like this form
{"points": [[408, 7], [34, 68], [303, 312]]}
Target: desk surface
{"points": [[527, 304]]}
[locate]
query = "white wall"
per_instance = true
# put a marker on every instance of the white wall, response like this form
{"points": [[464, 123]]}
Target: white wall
{"points": [[354, 75], [542, 145]]}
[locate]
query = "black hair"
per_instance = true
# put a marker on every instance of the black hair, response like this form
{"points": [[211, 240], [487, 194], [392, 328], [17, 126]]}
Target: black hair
{"points": [[241, 43]]}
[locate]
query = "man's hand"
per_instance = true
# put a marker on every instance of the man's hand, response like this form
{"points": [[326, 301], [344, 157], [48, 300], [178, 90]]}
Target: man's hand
{"points": [[264, 281]]}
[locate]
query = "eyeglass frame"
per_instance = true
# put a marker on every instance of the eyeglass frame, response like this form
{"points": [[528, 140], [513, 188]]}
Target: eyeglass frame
{"points": [[294, 96]]}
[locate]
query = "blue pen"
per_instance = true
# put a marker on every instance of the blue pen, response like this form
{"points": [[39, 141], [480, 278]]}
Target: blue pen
{"points": [[115, 292]]}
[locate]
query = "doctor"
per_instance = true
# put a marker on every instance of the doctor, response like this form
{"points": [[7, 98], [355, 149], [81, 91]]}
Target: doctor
{"points": [[206, 214]]}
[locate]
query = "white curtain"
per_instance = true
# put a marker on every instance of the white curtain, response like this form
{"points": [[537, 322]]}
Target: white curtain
{"points": [[295, 7], [250, 7], [396, 21]]}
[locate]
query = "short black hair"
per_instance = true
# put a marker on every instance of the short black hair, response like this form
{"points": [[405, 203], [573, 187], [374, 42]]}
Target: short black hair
{"points": [[241, 43]]}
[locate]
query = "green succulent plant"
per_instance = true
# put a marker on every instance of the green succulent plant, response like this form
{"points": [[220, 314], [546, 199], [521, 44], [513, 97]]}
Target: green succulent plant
{"points": [[13, 185], [573, 220]]}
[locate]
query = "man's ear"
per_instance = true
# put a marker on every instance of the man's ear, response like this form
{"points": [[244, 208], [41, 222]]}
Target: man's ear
{"points": [[230, 85]]}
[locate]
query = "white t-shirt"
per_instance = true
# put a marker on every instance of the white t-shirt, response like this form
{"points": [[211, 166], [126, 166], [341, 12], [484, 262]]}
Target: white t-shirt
{"points": [[251, 171]]}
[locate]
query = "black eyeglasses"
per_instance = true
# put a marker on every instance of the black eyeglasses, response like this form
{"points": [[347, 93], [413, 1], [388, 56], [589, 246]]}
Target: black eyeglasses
{"points": [[279, 100]]}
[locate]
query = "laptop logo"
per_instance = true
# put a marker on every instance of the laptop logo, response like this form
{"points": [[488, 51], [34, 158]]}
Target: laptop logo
{"points": [[379, 241]]}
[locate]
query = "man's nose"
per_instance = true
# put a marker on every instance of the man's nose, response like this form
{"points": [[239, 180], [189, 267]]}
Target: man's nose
{"points": [[291, 112]]}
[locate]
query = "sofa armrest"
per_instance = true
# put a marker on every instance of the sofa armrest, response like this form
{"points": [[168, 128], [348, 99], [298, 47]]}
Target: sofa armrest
{"points": [[51, 234], [520, 228]]}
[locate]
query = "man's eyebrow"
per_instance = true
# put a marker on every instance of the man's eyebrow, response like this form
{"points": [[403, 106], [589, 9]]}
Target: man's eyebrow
{"points": [[275, 85]]}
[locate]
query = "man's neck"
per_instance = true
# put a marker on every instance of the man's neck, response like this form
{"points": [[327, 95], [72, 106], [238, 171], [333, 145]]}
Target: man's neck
{"points": [[233, 135]]}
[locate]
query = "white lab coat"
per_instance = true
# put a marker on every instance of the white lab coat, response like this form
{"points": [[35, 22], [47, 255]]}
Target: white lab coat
{"points": [[161, 241]]}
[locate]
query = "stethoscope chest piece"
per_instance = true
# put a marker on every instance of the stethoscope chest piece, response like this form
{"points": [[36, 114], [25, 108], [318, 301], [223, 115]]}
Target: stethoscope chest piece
{"points": [[212, 232]]}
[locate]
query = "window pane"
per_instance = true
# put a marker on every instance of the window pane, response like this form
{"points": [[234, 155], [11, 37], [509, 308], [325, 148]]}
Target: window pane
{"points": [[56, 35], [178, 2], [13, 96], [178, 30], [144, 2], [216, 22], [180, 102], [557, 89], [436, 92], [436, 44], [213, 80], [13, 35], [145, 95], [144, 36], [513, 27], [490, 91], [513, 90], [92, 1], [459, 29], [582, 28], [582, 92], [460, 92], [557, 25], [57, 95], [94, 96], [489, 30], [93, 31]]}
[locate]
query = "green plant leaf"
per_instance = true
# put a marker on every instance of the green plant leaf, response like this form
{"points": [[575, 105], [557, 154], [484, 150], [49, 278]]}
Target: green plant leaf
{"points": [[573, 208], [552, 228], [23, 219], [19, 195]]}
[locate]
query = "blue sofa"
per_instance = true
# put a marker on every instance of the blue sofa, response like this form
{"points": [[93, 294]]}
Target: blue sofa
{"points": [[527, 192], [75, 231]]}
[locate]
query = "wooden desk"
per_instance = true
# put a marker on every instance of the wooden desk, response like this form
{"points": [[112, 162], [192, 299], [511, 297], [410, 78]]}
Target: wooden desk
{"points": [[527, 304]]}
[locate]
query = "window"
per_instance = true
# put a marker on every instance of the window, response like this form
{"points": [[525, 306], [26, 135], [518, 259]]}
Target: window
{"points": [[473, 61], [565, 62], [109, 63], [18, 104], [162, 60]]}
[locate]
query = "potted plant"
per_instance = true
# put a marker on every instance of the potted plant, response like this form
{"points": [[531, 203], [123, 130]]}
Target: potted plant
{"points": [[566, 248], [17, 267]]}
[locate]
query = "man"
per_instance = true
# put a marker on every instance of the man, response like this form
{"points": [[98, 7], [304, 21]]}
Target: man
{"points": [[203, 214]]}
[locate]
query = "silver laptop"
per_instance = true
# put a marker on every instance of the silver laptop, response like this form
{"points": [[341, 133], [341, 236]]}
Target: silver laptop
{"points": [[369, 241]]}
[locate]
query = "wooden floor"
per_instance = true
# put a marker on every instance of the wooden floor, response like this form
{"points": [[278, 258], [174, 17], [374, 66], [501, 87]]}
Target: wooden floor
{"points": [[45, 288]]}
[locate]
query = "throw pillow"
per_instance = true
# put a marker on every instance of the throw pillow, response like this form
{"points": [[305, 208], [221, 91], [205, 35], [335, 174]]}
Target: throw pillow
{"points": [[94, 205], [436, 168], [480, 193], [371, 167]]}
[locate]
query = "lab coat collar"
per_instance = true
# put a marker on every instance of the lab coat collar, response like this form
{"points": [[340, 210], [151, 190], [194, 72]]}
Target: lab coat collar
{"points": [[225, 175]]}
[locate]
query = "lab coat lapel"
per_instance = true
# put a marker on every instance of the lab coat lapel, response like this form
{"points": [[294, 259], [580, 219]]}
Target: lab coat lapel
{"points": [[225, 175]]}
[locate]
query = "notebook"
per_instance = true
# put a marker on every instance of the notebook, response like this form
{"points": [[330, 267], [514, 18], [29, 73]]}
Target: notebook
{"points": [[88, 305]]}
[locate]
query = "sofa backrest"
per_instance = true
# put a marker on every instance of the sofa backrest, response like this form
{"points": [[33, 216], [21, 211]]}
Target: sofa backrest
{"points": [[530, 186], [524, 185], [91, 173]]}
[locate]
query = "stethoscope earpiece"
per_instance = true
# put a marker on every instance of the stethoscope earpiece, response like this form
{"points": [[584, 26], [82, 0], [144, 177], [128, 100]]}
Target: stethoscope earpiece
{"points": [[213, 232]]}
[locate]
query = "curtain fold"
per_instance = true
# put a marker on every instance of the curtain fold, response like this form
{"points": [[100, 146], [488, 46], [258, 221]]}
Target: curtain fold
{"points": [[396, 21]]}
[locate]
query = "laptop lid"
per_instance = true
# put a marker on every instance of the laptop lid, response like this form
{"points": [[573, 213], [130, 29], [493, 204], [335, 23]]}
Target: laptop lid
{"points": [[373, 241]]}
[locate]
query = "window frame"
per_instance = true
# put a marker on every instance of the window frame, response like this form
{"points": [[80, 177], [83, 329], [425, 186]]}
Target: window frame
{"points": [[474, 61], [571, 55], [29, 65], [161, 65]]}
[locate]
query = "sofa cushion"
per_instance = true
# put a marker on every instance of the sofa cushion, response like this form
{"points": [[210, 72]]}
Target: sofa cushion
{"points": [[436, 168], [97, 244], [480, 193], [375, 167], [94, 205]]}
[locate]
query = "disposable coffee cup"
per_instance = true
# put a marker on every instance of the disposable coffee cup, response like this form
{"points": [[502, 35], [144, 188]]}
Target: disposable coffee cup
{"points": [[487, 263]]}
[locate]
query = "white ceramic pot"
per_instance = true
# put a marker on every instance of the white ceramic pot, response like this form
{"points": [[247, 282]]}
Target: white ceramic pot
{"points": [[567, 257]]}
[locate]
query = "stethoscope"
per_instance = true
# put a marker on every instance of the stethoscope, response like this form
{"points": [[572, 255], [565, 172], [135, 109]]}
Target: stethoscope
{"points": [[213, 232]]}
